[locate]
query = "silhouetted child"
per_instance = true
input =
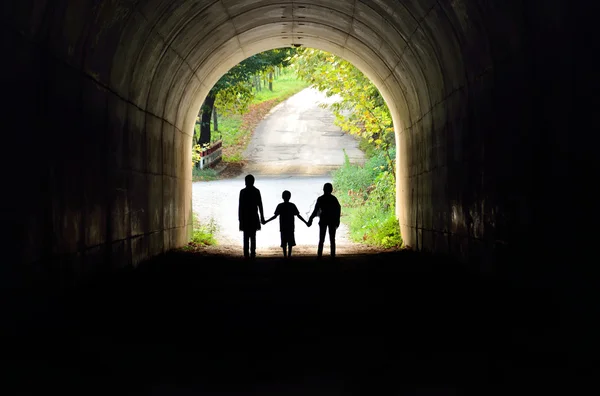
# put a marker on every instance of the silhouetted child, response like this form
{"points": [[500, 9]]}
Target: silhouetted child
{"points": [[286, 212]]}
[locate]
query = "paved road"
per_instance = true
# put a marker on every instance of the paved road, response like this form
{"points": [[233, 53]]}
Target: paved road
{"points": [[294, 148], [300, 138]]}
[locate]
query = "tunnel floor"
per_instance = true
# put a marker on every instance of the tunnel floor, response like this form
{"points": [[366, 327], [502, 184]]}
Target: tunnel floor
{"points": [[389, 323]]}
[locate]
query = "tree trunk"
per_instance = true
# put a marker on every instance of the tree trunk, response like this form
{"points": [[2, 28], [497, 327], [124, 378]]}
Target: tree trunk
{"points": [[215, 120], [271, 81], [206, 110]]}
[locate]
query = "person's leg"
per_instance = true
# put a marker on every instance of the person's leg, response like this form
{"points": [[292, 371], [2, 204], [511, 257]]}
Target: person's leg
{"points": [[332, 230], [322, 231], [291, 243], [253, 244], [246, 244]]}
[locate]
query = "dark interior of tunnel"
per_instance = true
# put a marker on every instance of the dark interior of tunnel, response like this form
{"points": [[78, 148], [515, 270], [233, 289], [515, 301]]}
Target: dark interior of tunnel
{"points": [[396, 323], [494, 130]]}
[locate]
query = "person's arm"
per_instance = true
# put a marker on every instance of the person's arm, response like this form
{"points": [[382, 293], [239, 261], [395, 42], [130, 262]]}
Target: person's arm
{"points": [[260, 207], [277, 212], [314, 213], [301, 218], [240, 211], [338, 210], [297, 213]]}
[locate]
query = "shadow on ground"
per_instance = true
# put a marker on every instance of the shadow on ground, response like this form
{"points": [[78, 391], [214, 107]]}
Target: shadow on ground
{"points": [[391, 323]]}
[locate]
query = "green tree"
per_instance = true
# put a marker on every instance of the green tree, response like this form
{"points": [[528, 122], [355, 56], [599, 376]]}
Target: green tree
{"points": [[361, 109], [233, 92]]}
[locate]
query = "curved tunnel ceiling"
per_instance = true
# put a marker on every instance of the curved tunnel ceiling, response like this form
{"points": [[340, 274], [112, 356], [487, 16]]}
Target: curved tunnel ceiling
{"points": [[177, 50]]}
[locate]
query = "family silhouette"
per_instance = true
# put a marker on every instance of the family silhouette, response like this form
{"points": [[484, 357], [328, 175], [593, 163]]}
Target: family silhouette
{"points": [[251, 216]]}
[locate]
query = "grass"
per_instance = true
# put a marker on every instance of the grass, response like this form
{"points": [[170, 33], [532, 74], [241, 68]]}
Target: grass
{"points": [[233, 136], [202, 234], [369, 224], [284, 87], [206, 174]]}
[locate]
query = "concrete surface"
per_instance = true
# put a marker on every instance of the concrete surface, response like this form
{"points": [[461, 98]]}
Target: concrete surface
{"points": [[299, 137], [105, 95]]}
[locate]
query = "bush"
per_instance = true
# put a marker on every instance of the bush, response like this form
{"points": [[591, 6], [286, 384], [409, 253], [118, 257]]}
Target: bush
{"points": [[360, 181], [368, 197], [353, 181], [368, 224], [203, 234]]}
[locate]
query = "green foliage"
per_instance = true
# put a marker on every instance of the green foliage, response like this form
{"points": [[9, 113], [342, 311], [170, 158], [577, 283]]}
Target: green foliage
{"points": [[285, 86], [234, 99], [197, 150], [197, 130], [229, 130], [360, 181], [367, 148], [361, 109], [206, 174], [234, 92], [235, 157], [203, 234], [368, 224], [367, 195]]}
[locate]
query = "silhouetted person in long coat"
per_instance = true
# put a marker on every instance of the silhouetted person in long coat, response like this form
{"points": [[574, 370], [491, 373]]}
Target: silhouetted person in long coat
{"points": [[249, 207], [329, 211]]}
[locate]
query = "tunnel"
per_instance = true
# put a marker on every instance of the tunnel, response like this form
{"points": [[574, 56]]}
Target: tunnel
{"points": [[494, 136], [101, 98]]}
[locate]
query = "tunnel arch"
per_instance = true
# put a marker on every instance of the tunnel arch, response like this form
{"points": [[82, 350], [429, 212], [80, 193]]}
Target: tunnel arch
{"points": [[131, 75], [353, 30]]}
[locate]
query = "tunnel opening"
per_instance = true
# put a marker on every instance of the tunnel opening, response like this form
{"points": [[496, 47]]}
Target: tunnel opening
{"points": [[332, 121]]}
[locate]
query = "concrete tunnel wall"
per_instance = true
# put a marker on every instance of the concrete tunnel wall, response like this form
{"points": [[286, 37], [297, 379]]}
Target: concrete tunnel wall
{"points": [[104, 94]]}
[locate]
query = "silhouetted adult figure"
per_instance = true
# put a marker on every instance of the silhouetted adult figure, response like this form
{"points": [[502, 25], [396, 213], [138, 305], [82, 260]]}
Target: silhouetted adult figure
{"points": [[249, 207], [329, 211]]}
